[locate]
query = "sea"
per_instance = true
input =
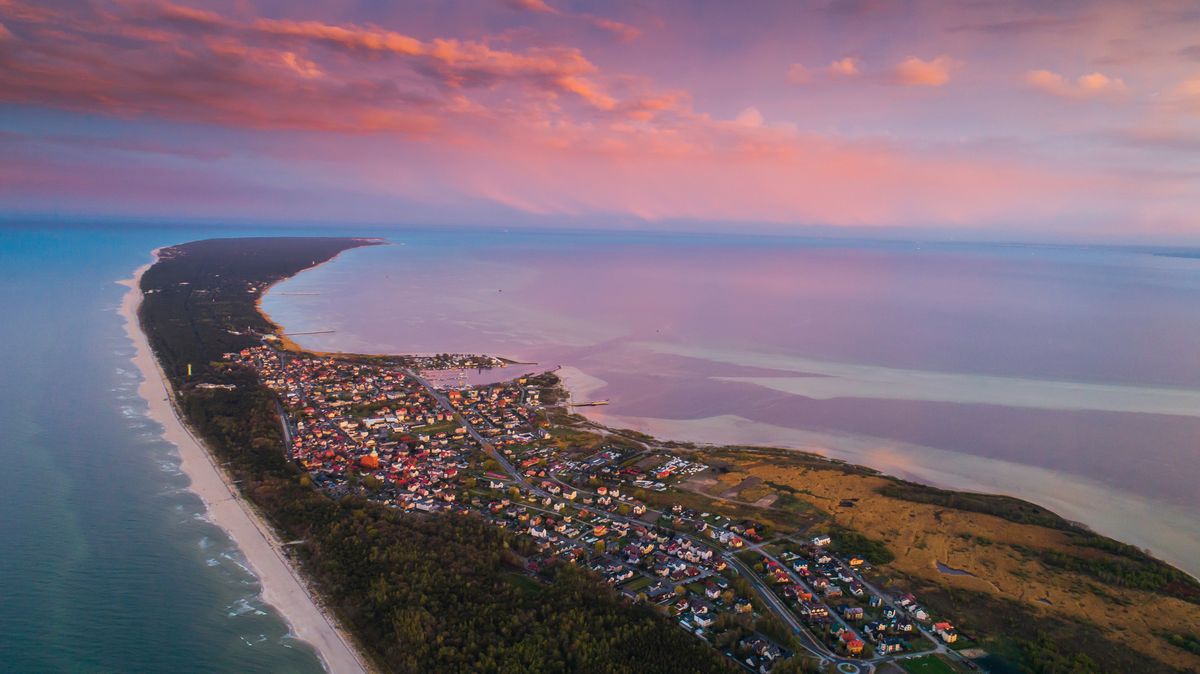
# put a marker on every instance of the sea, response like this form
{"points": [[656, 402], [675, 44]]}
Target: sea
{"points": [[107, 563], [1069, 376]]}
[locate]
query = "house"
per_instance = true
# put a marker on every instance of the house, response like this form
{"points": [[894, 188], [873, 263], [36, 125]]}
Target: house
{"points": [[821, 541], [946, 631], [890, 645], [850, 640], [762, 647]]}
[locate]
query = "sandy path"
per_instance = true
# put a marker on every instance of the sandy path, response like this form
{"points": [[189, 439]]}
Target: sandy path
{"points": [[282, 587]]}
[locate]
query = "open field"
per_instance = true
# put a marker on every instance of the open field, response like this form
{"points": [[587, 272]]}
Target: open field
{"points": [[997, 574], [928, 664]]}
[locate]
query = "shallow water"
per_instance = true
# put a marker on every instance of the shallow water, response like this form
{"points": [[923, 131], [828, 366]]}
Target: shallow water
{"points": [[1068, 376]]}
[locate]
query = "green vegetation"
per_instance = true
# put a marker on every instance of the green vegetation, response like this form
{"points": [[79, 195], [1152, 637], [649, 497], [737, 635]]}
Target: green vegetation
{"points": [[1188, 642], [850, 542], [1004, 507], [419, 593], [1139, 574], [927, 664], [1029, 641], [1134, 565], [1045, 656]]}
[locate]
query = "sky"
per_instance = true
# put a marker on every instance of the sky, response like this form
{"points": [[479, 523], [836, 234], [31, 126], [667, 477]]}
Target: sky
{"points": [[1039, 119]]}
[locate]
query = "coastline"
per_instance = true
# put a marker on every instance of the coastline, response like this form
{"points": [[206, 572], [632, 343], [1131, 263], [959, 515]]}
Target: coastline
{"points": [[281, 584], [1088, 503]]}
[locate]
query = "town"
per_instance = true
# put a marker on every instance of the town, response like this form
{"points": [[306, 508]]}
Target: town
{"points": [[381, 429]]}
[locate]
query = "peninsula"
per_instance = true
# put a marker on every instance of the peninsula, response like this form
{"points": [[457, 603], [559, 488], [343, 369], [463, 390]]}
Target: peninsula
{"points": [[488, 528]]}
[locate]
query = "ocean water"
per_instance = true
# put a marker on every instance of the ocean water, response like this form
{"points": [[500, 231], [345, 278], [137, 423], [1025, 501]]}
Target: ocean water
{"points": [[106, 562], [1068, 376]]}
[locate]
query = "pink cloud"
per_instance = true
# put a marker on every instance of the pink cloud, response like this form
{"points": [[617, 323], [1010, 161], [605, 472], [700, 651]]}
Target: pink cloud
{"points": [[798, 73], [563, 121], [845, 67], [1091, 85], [531, 6], [749, 117], [1186, 95], [622, 31], [917, 72]]}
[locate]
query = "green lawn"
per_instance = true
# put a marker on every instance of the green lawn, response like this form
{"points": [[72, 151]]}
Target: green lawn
{"points": [[638, 583], [928, 664]]}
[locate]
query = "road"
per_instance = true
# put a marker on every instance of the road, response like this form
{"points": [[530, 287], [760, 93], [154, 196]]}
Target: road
{"points": [[807, 639]]}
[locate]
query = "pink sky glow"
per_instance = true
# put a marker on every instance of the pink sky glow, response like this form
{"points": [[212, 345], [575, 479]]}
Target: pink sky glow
{"points": [[1066, 119]]}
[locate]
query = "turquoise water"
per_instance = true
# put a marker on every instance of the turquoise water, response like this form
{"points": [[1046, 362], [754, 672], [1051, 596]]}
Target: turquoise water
{"points": [[106, 564]]}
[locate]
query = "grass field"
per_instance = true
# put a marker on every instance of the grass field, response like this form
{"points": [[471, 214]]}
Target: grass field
{"points": [[929, 664]]}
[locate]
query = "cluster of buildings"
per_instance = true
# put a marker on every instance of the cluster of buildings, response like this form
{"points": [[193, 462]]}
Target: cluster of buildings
{"points": [[350, 421], [376, 428], [503, 413], [829, 593]]}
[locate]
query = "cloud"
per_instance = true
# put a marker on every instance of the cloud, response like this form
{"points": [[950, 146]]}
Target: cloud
{"points": [[534, 120], [1186, 96], [622, 31], [300, 65], [750, 117], [916, 72], [539, 6], [1091, 85], [845, 67], [798, 73], [168, 60]]}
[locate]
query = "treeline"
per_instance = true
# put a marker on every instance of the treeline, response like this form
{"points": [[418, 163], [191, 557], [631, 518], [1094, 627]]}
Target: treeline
{"points": [[1044, 655], [420, 593], [850, 542], [1031, 641], [1123, 566], [1004, 507], [1146, 574]]}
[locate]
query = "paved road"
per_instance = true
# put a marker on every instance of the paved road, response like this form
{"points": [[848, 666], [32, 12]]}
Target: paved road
{"points": [[807, 639]]}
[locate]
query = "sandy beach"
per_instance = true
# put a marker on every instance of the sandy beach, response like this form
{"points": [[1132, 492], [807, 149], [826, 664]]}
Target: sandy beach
{"points": [[282, 586]]}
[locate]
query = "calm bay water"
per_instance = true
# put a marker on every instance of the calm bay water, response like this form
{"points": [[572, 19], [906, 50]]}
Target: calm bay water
{"points": [[1067, 376], [107, 564]]}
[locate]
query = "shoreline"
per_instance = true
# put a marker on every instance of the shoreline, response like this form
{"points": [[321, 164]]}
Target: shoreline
{"points": [[281, 585], [1078, 499]]}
